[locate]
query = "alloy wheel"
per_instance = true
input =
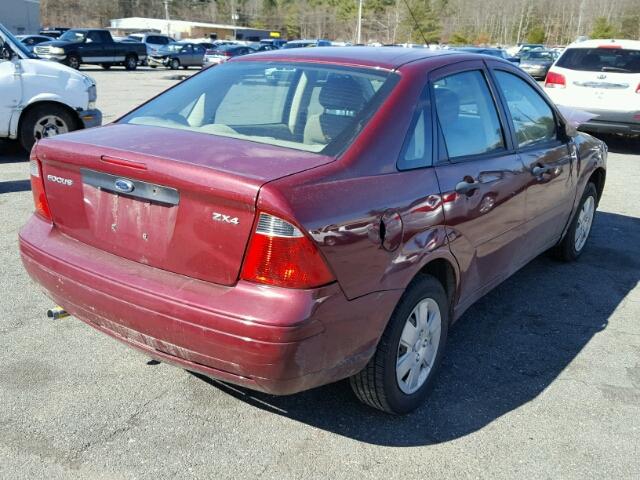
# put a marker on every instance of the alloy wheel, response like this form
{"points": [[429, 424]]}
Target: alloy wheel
{"points": [[585, 219], [418, 346]]}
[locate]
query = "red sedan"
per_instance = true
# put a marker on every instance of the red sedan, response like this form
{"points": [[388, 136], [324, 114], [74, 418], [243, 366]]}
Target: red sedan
{"points": [[297, 217]]}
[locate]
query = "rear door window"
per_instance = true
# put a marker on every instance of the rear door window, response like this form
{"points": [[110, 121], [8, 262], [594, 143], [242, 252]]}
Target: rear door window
{"points": [[601, 60], [94, 37], [532, 117], [467, 115]]}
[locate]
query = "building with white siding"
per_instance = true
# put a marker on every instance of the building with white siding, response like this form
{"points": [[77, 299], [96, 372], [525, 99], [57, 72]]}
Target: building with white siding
{"points": [[185, 29]]}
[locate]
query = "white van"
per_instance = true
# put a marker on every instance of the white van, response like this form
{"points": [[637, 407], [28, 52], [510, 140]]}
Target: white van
{"points": [[40, 98]]}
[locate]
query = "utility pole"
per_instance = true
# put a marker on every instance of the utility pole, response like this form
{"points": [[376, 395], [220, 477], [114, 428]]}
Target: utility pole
{"points": [[166, 16], [359, 29], [580, 18]]}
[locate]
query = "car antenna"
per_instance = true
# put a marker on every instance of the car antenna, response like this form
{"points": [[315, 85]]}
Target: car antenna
{"points": [[417, 24]]}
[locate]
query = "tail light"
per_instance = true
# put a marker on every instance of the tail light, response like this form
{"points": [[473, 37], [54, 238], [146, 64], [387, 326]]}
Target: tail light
{"points": [[227, 53], [280, 254], [555, 80], [638, 88], [37, 188]]}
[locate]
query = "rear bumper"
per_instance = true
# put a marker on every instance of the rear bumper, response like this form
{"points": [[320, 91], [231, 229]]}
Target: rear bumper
{"points": [[603, 121], [604, 125], [613, 122], [276, 340], [535, 71]]}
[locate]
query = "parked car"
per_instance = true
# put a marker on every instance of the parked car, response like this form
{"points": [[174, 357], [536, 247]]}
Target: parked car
{"points": [[41, 99], [537, 62], [92, 46], [30, 41], [222, 53], [262, 47], [276, 42], [307, 43], [523, 48], [494, 52], [338, 220], [153, 41], [176, 55], [601, 77]]}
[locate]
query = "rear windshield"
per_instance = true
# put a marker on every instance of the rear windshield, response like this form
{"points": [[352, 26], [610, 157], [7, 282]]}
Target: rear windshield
{"points": [[75, 36], [293, 105], [601, 60], [535, 55]]}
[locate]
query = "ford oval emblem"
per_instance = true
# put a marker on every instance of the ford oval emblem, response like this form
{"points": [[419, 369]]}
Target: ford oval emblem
{"points": [[123, 185]]}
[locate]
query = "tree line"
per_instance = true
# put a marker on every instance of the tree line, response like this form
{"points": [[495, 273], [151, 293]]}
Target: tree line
{"points": [[504, 22]]}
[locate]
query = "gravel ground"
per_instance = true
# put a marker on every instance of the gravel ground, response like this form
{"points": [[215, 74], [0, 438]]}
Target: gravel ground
{"points": [[541, 377]]}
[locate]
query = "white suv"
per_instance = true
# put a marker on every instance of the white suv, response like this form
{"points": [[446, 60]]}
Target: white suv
{"points": [[603, 78]]}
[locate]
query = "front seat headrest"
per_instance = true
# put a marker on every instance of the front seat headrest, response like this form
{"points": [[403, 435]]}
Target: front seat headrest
{"points": [[342, 93]]}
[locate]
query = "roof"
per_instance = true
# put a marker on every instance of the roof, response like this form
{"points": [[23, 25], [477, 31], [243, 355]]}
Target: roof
{"points": [[611, 43], [383, 57]]}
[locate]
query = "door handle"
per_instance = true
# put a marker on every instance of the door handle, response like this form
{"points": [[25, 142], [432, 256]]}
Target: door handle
{"points": [[467, 186], [539, 170]]}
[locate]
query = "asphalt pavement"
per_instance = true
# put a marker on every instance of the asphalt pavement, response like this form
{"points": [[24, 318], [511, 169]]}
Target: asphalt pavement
{"points": [[541, 378]]}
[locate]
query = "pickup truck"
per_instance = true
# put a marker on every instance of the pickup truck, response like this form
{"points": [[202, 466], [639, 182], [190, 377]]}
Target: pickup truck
{"points": [[41, 99], [92, 46]]}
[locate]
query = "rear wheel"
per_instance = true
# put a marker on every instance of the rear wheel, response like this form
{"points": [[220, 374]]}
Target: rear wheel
{"points": [[44, 121], [573, 243], [401, 373], [175, 64], [106, 66], [131, 62]]}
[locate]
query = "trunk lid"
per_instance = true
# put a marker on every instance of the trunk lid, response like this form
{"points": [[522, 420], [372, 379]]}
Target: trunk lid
{"points": [[176, 200], [603, 90]]}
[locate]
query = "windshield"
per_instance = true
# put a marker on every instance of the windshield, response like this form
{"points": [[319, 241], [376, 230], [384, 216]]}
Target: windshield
{"points": [[172, 47], [538, 56], [292, 105], [75, 36], [16, 46], [601, 60]]}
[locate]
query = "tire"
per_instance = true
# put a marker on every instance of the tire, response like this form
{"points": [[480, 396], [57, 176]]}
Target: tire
{"points": [[73, 61], [573, 243], [58, 119], [106, 66], [382, 383], [175, 64], [153, 66], [130, 63]]}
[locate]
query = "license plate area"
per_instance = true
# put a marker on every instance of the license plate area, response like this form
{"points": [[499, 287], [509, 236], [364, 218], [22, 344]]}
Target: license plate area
{"points": [[131, 188]]}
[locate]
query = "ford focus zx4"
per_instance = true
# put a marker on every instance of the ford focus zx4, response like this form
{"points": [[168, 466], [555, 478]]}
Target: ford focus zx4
{"points": [[293, 218]]}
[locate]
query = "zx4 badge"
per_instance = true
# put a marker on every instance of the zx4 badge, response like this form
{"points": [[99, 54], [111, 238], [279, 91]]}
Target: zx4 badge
{"points": [[219, 217]]}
